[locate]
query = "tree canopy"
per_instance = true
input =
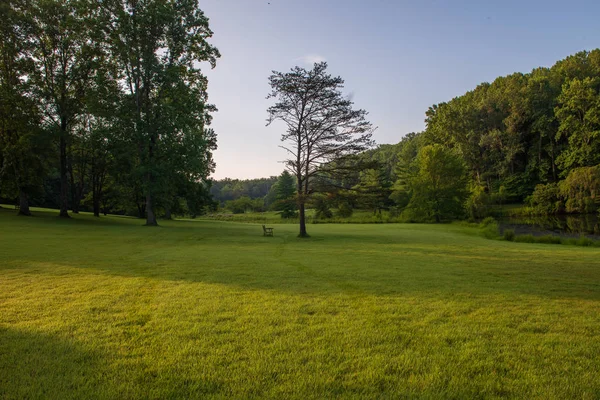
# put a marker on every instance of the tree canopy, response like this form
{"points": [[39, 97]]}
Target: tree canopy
{"points": [[321, 127]]}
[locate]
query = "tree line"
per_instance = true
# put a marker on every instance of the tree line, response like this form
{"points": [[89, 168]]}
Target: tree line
{"points": [[103, 105], [530, 138]]}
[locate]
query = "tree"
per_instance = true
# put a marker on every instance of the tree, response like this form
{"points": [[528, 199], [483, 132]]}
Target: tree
{"points": [[374, 189], [579, 116], [159, 46], [439, 187], [581, 190], [64, 52], [285, 195], [321, 125], [22, 145]]}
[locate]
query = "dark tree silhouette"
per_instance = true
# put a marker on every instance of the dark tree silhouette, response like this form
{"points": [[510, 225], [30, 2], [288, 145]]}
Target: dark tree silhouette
{"points": [[321, 125]]}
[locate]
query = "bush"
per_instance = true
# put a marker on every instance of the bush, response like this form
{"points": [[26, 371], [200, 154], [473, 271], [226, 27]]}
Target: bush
{"points": [[545, 199], [321, 207], [477, 203], [487, 221], [509, 235], [584, 241], [525, 239], [344, 210], [549, 239], [489, 228]]}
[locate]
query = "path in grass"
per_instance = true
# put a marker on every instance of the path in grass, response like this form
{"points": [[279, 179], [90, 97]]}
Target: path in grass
{"points": [[111, 309]]}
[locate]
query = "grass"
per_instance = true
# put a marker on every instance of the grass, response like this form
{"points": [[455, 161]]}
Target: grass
{"points": [[274, 217], [107, 308]]}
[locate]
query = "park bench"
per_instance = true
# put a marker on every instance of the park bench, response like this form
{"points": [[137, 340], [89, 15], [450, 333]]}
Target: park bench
{"points": [[267, 231]]}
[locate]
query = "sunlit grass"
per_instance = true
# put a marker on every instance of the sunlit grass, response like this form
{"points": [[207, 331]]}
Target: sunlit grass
{"points": [[107, 308]]}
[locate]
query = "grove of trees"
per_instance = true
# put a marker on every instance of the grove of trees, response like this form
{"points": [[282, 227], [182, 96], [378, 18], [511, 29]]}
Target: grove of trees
{"points": [[524, 138], [104, 107], [104, 103]]}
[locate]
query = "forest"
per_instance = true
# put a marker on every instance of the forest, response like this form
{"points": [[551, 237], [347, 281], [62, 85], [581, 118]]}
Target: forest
{"points": [[104, 107], [100, 113], [530, 139]]}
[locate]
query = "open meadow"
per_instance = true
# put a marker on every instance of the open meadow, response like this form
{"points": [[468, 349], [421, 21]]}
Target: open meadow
{"points": [[107, 308]]}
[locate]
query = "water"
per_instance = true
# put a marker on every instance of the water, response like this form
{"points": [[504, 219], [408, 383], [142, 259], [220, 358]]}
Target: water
{"points": [[559, 225]]}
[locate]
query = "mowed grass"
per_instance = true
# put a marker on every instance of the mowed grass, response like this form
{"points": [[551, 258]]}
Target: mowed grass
{"points": [[107, 308]]}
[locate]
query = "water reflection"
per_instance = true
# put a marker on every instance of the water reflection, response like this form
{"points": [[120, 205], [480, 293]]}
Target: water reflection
{"points": [[564, 225]]}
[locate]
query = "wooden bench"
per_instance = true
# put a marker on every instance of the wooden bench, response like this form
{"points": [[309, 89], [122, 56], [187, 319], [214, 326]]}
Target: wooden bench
{"points": [[267, 231]]}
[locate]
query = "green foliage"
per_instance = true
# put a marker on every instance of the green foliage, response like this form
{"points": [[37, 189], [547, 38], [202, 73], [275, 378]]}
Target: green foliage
{"points": [[585, 242], [439, 187], [344, 210], [323, 131], [478, 202], [524, 129], [285, 198], [529, 238], [545, 199], [581, 190], [244, 204], [508, 235], [373, 190], [232, 189], [321, 206], [489, 228], [579, 116], [549, 239]]}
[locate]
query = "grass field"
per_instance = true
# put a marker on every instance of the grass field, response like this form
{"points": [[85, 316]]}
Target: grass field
{"points": [[106, 308], [274, 217]]}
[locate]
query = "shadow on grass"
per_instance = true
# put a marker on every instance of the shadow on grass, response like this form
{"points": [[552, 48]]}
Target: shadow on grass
{"points": [[30, 364], [379, 260], [41, 366]]}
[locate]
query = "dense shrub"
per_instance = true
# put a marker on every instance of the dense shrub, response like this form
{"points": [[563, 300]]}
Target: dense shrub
{"points": [[321, 206], [344, 210], [549, 239], [508, 235], [525, 238], [581, 190], [545, 199], [478, 202], [489, 228]]}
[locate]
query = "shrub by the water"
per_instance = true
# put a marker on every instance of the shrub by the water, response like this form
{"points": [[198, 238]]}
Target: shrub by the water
{"points": [[489, 228], [525, 238], [509, 235], [549, 239]]}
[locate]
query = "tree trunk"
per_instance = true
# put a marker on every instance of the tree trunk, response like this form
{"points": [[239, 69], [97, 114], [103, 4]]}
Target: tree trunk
{"points": [[168, 212], [64, 188], [74, 202], [96, 199], [141, 209], [302, 220], [150, 216], [97, 208], [553, 163], [23, 204]]}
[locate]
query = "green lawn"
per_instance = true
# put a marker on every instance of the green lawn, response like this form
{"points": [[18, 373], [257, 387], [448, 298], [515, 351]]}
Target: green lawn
{"points": [[106, 308]]}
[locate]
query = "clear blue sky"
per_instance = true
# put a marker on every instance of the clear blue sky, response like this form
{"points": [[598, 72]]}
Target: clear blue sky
{"points": [[397, 58]]}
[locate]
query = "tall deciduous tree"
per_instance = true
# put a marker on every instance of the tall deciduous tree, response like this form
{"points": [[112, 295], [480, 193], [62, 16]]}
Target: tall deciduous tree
{"points": [[579, 116], [21, 142], [64, 52], [159, 45], [439, 187], [321, 125]]}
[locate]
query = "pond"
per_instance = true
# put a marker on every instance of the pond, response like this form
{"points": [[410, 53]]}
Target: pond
{"points": [[558, 225]]}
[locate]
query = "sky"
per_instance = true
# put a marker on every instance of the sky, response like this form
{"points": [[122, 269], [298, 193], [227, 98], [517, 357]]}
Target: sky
{"points": [[397, 59]]}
